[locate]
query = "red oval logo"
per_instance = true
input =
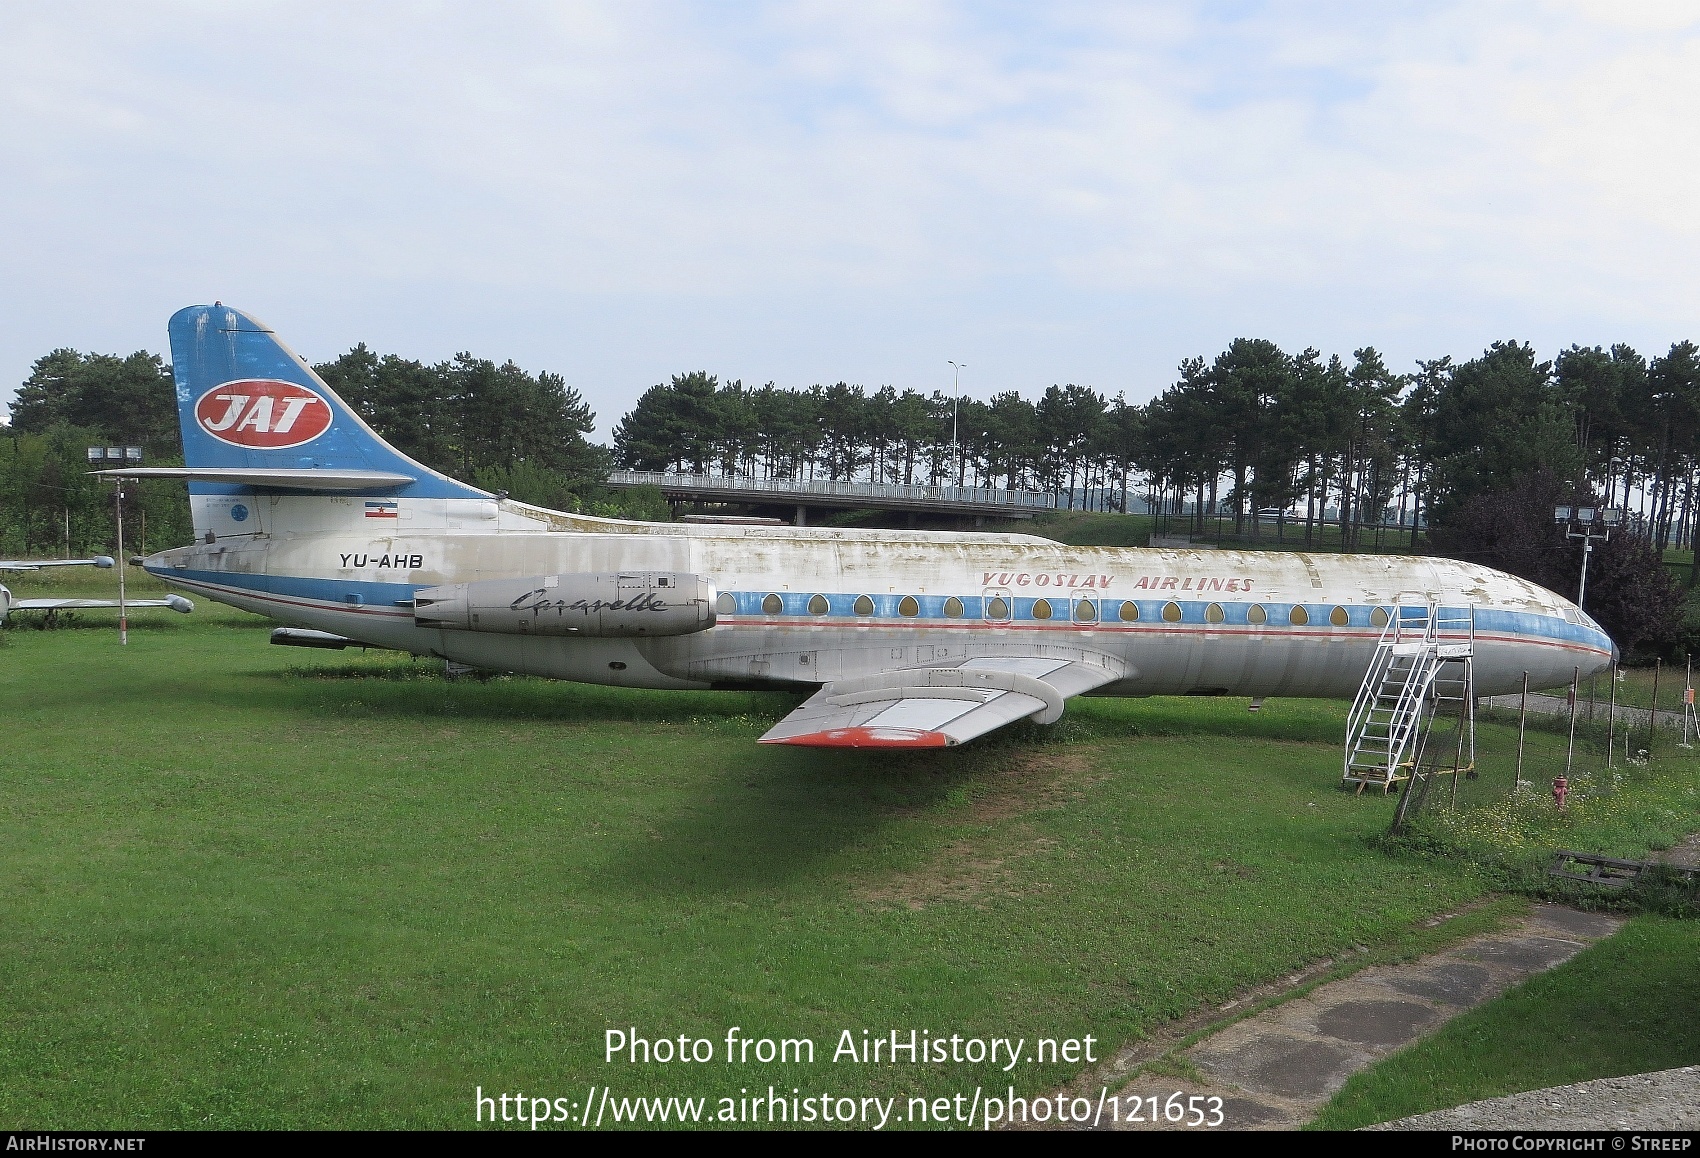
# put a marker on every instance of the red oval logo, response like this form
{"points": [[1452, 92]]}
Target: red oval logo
{"points": [[263, 414]]}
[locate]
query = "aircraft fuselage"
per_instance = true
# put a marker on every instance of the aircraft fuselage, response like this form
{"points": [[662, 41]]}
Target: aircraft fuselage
{"points": [[801, 607]]}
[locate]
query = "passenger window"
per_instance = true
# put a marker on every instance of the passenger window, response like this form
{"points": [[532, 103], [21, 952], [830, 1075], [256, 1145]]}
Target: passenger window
{"points": [[863, 605], [998, 608], [1378, 617], [771, 604], [908, 606], [726, 604], [1298, 616], [1041, 609], [1130, 612], [1338, 617], [1086, 611], [1172, 612], [953, 608], [1214, 613], [1256, 616], [818, 605]]}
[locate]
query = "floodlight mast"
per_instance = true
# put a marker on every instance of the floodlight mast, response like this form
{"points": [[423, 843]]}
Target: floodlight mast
{"points": [[955, 397], [1587, 519], [123, 456]]}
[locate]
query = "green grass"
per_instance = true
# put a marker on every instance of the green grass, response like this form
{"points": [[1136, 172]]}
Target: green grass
{"points": [[1635, 689], [247, 886], [1630, 809], [1624, 1006]]}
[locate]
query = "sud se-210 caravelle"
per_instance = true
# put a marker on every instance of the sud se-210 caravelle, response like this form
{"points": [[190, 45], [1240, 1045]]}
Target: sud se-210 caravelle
{"points": [[907, 639]]}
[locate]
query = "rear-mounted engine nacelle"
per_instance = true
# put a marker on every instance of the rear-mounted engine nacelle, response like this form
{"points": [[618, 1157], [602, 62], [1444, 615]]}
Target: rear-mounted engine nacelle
{"points": [[623, 603]]}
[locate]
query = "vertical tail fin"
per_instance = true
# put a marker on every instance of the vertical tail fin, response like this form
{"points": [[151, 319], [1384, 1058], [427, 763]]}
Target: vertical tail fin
{"points": [[244, 399]]}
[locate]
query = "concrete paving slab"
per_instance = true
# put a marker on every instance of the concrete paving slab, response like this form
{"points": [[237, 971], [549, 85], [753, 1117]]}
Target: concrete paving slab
{"points": [[1574, 922], [1526, 954], [1382, 1025], [1459, 983], [1265, 1060], [1356, 1012]]}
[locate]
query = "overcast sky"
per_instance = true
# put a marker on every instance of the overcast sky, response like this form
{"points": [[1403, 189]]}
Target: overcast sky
{"points": [[862, 191]]}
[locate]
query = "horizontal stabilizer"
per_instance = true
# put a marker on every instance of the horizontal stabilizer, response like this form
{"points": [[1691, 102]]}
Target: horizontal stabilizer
{"points": [[934, 707], [272, 477]]}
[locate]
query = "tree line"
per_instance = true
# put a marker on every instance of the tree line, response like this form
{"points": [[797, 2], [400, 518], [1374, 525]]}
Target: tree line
{"points": [[1254, 430], [1254, 433]]}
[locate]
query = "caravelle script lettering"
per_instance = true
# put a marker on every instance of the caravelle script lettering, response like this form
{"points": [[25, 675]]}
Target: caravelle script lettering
{"points": [[538, 602]]}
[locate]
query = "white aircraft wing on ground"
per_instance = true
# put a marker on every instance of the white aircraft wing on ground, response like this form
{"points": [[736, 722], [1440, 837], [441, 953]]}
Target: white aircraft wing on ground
{"points": [[38, 564], [9, 604], [175, 602], [937, 706]]}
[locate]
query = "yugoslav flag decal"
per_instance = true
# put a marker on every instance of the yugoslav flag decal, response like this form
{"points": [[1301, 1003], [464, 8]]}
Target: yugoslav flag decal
{"points": [[263, 414]]}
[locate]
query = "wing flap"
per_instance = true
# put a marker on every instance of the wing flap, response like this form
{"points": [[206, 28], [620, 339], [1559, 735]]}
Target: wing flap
{"points": [[938, 706]]}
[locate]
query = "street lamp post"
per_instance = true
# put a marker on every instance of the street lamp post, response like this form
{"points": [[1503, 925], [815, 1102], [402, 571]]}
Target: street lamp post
{"points": [[123, 456], [1590, 525], [955, 396]]}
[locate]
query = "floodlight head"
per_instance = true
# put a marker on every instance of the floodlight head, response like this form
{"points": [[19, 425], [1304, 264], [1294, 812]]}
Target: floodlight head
{"points": [[1611, 516], [115, 454], [132, 454], [1584, 514], [97, 454], [1561, 514]]}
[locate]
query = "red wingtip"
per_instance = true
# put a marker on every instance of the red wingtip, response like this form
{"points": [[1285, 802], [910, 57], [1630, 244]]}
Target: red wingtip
{"points": [[867, 738]]}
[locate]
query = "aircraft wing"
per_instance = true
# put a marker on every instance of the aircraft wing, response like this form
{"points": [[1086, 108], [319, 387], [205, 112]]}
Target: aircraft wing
{"points": [[933, 707], [38, 564], [175, 602]]}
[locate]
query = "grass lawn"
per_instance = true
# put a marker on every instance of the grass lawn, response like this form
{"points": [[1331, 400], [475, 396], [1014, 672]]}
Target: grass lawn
{"points": [[247, 886], [1624, 1006], [1635, 689]]}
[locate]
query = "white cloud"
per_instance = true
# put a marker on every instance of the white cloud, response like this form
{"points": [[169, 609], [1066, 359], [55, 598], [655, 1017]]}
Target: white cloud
{"points": [[1084, 192]]}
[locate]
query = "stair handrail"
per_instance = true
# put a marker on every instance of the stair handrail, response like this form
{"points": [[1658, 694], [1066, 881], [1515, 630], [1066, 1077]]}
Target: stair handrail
{"points": [[1410, 705], [1365, 699], [1418, 685]]}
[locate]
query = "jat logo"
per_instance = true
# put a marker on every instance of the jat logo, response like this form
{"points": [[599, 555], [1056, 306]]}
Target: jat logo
{"points": [[263, 414]]}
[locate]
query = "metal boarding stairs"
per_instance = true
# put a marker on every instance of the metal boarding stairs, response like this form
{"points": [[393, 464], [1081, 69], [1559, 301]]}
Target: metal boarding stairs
{"points": [[1414, 715]]}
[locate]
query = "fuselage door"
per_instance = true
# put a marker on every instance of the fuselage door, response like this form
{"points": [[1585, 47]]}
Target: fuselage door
{"points": [[997, 605]]}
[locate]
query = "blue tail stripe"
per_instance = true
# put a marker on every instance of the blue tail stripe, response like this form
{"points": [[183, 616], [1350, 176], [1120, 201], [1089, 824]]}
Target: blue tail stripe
{"points": [[213, 345]]}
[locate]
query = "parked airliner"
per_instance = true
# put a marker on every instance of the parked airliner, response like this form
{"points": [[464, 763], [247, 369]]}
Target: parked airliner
{"points": [[905, 639]]}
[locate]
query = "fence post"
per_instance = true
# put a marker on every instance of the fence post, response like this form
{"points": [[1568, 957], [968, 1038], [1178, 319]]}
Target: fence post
{"points": [[1522, 720]]}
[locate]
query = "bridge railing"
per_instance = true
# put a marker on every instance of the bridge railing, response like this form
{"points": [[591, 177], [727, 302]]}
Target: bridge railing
{"points": [[824, 488]]}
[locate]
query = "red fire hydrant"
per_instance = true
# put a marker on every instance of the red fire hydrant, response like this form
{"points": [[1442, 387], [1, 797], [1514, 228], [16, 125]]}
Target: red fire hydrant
{"points": [[1560, 789]]}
